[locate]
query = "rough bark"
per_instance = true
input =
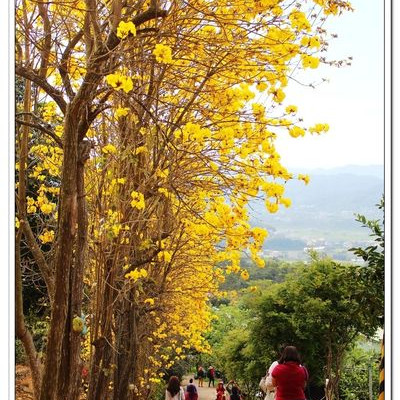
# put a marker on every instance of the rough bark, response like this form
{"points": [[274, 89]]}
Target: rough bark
{"points": [[102, 339], [21, 329], [63, 256], [125, 349]]}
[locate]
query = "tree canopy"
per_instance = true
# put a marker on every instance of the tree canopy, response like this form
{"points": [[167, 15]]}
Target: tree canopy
{"points": [[144, 129]]}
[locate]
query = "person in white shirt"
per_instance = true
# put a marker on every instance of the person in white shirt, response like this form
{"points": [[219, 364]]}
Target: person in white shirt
{"points": [[270, 389], [174, 390]]}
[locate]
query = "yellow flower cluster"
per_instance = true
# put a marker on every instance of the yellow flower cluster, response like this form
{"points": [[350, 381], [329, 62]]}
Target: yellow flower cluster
{"points": [[136, 274], [137, 200], [299, 20], [319, 128], [312, 41], [163, 53], [296, 131], [126, 28], [121, 112], [309, 61], [304, 178], [109, 149], [46, 236], [120, 82], [165, 256], [149, 301], [112, 225]]}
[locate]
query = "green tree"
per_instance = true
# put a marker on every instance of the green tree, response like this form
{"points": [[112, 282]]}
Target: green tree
{"points": [[361, 367], [373, 273], [233, 350], [318, 311]]}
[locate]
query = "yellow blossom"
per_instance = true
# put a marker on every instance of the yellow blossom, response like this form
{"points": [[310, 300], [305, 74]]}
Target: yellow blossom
{"points": [[149, 301], [261, 86], [296, 131], [291, 109], [47, 208], [121, 112], [163, 53], [285, 201], [140, 149], [109, 149], [259, 234], [136, 274], [47, 236], [245, 275], [164, 256], [163, 173], [277, 95], [137, 200], [120, 82], [271, 207], [319, 128], [126, 28], [304, 178], [309, 61]]}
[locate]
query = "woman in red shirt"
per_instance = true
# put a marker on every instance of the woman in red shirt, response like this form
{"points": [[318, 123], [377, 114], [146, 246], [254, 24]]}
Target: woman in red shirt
{"points": [[289, 376]]}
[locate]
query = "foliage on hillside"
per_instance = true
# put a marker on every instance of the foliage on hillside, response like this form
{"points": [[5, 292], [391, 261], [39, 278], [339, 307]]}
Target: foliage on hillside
{"points": [[317, 308]]}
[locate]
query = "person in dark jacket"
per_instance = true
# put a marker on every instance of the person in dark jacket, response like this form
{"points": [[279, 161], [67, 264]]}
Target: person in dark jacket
{"points": [[211, 376], [201, 375], [234, 391], [191, 391]]}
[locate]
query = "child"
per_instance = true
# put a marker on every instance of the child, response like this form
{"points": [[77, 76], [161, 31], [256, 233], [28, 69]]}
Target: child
{"points": [[220, 391]]}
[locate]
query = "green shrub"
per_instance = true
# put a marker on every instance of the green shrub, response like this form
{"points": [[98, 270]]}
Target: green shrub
{"points": [[354, 382]]}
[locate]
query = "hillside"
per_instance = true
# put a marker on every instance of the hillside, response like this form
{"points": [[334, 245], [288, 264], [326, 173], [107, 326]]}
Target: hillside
{"points": [[323, 212]]}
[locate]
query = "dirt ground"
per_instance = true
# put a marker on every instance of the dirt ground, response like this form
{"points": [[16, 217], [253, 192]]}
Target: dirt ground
{"points": [[23, 383], [205, 392], [24, 389]]}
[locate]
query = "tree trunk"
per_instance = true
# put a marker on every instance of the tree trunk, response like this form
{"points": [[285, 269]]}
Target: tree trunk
{"points": [[63, 257], [69, 385], [103, 353], [126, 349], [21, 329]]}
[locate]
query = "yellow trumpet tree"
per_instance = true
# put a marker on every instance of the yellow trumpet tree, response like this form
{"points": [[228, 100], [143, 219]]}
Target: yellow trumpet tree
{"points": [[151, 125]]}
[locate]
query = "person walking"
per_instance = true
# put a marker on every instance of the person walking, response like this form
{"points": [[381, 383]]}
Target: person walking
{"points": [[174, 391], [191, 391], [270, 389], [234, 391], [201, 374], [220, 391], [289, 376], [211, 376]]}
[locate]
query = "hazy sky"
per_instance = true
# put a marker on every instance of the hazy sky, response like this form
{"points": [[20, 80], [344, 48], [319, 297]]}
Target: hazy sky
{"points": [[351, 102]]}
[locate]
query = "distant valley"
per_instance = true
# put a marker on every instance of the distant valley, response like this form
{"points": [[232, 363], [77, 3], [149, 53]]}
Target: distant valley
{"points": [[322, 214]]}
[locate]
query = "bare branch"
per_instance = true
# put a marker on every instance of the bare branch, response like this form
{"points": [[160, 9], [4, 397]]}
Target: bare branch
{"points": [[39, 258], [31, 75], [47, 40], [64, 62], [43, 129]]}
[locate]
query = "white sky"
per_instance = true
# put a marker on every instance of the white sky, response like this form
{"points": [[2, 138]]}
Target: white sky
{"points": [[351, 102]]}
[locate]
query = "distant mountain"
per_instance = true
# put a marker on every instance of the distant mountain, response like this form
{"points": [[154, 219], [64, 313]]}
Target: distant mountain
{"points": [[325, 208], [363, 170]]}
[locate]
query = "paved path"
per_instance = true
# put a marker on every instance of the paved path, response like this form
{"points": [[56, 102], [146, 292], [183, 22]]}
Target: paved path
{"points": [[205, 393]]}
